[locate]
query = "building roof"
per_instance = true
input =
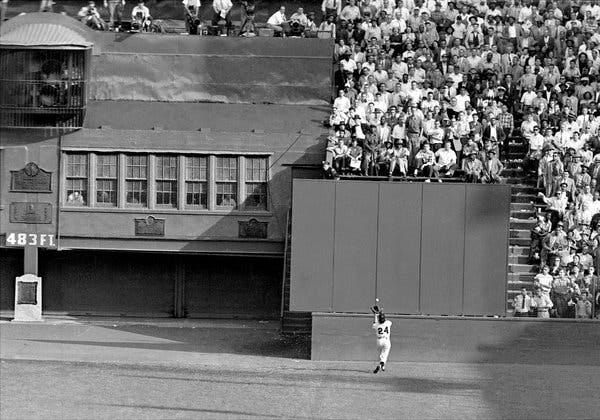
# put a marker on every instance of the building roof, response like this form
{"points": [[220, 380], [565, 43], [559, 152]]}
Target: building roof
{"points": [[186, 116], [43, 35]]}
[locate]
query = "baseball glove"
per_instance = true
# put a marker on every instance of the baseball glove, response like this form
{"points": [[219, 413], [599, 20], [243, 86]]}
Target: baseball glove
{"points": [[375, 309]]}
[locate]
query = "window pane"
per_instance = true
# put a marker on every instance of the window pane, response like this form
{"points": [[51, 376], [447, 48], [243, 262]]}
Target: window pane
{"points": [[196, 168], [106, 166], [137, 166], [227, 195], [76, 191], [256, 196], [256, 169], [166, 167], [106, 192], [77, 165], [166, 193], [226, 168], [136, 193], [196, 195]]}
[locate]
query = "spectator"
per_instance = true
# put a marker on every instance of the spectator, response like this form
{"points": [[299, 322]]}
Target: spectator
{"points": [[328, 171], [222, 12], [331, 8], [279, 22], [115, 12], [90, 16], [542, 304], [425, 162], [492, 169], [583, 305], [523, 304], [140, 17], [191, 16], [472, 168], [446, 161]]}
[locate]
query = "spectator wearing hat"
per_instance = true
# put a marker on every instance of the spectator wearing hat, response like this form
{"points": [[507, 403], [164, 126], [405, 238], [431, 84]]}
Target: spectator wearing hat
{"points": [[399, 159], [492, 169], [562, 291], [557, 205], [472, 168]]}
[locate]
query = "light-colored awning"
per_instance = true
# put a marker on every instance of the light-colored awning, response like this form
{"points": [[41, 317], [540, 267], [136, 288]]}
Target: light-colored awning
{"points": [[48, 35]]}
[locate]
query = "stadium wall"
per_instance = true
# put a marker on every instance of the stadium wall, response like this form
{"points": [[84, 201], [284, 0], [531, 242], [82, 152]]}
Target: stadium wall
{"points": [[458, 339], [432, 249]]}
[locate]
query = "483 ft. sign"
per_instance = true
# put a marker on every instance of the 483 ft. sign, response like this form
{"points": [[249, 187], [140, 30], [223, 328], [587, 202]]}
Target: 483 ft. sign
{"points": [[19, 239]]}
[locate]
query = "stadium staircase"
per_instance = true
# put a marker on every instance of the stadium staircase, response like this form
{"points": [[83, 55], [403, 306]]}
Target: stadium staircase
{"points": [[292, 323], [523, 209]]}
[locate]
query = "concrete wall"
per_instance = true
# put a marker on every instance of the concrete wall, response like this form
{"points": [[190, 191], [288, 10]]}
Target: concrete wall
{"points": [[433, 249], [456, 339]]}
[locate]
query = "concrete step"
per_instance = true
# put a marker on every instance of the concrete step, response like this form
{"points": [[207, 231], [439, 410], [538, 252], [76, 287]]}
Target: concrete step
{"points": [[518, 206], [525, 189], [513, 173], [520, 233], [525, 198], [518, 259], [522, 224], [521, 181], [295, 323], [516, 278], [519, 241], [522, 268], [518, 250], [522, 214]]}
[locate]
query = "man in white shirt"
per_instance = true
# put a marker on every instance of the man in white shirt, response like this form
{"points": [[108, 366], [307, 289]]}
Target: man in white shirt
{"points": [[446, 161], [331, 8], [278, 22], [191, 8], [222, 10], [140, 17]]}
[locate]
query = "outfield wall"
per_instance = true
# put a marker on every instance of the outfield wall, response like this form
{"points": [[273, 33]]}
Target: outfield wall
{"points": [[423, 248], [459, 339]]}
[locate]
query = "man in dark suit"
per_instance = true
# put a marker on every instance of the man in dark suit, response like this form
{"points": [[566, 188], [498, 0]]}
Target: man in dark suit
{"points": [[494, 134]]}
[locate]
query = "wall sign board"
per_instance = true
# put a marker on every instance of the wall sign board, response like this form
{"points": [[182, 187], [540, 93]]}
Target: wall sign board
{"points": [[31, 178], [30, 213], [150, 226], [253, 229]]}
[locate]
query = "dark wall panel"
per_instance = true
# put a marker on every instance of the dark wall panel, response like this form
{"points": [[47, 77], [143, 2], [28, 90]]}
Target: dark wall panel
{"points": [[232, 286], [11, 267], [355, 255], [486, 248], [398, 257], [107, 283], [312, 246], [442, 249]]}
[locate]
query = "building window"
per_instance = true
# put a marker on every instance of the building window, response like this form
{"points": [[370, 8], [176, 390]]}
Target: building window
{"points": [[77, 179], [136, 180], [194, 182], [226, 181], [256, 183], [196, 177], [166, 181], [106, 180]]}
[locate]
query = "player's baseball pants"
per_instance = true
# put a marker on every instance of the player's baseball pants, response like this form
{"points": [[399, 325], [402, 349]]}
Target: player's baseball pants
{"points": [[383, 345]]}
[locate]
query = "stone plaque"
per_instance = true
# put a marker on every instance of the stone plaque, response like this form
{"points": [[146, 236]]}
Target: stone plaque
{"points": [[30, 213], [253, 229], [28, 298], [27, 292], [150, 226], [31, 178]]}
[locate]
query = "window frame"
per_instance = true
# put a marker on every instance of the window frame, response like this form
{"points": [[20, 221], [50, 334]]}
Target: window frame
{"points": [[209, 174], [82, 178], [133, 178]]}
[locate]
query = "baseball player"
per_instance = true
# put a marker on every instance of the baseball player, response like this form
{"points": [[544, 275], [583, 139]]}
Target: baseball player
{"points": [[382, 328]]}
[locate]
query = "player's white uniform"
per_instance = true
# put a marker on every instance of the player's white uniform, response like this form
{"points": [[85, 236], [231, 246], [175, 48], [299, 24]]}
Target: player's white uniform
{"points": [[383, 338]]}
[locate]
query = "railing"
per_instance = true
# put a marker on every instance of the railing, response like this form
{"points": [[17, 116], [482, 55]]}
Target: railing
{"points": [[34, 103]]}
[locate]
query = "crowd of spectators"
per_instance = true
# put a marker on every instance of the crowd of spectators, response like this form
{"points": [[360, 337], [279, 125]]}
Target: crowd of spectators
{"points": [[437, 88]]}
